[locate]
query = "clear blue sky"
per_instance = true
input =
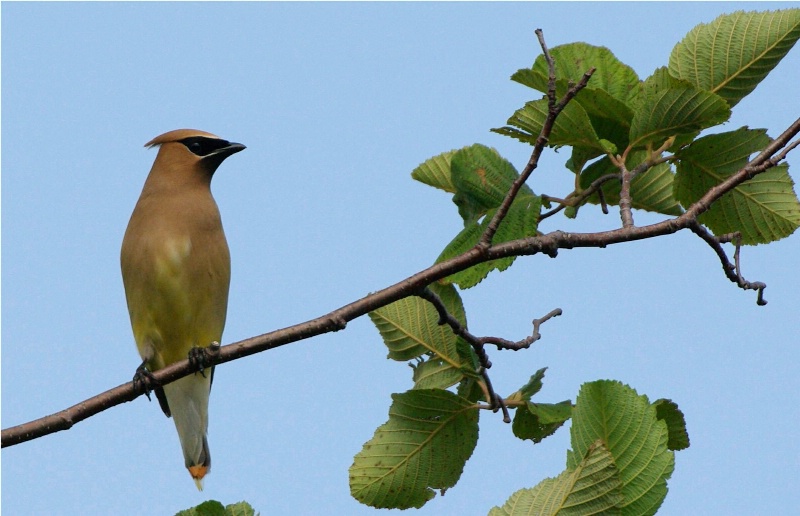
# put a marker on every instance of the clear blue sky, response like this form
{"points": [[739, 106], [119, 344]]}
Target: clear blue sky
{"points": [[337, 103]]}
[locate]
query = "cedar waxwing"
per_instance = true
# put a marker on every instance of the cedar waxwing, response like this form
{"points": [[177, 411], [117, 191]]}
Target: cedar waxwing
{"points": [[176, 269]]}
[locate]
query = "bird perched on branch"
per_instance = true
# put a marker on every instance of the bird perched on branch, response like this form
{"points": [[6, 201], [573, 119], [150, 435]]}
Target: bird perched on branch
{"points": [[176, 270]]}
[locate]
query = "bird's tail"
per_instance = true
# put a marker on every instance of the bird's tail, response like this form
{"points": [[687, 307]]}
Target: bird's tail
{"points": [[188, 401]]}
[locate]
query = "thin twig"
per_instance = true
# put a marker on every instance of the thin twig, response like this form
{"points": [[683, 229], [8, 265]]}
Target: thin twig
{"points": [[554, 110], [625, 212], [759, 286], [496, 401], [789, 148], [478, 343], [445, 317], [577, 199], [737, 241], [538, 322], [602, 199], [527, 341], [641, 168], [727, 237], [626, 179], [732, 270]]}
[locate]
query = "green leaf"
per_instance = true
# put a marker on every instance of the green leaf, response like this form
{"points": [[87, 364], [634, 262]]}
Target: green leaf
{"points": [[600, 105], [606, 100], [763, 209], [481, 178], [637, 440], [423, 446], [410, 327], [532, 79], [523, 136], [575, 59], [470, 386], [592, 487], [465, 240], [240, 509], [666, 108], [610, 118], [535, 421], [580, 156], [436, 373], [467, 354], [550, 413], [435, 172], [534, 385], [733, 53], [651, 190], [571, 127], [668, 412], [682, 140], [520, 222], [215, 508], [207, 508], [571, 212]]}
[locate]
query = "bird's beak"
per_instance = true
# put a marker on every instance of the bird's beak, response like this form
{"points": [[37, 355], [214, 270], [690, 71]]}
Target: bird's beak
{"points": [[214, 159], [231, 148]]}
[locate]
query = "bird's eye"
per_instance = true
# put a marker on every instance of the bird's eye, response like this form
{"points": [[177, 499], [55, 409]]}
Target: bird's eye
{"points": [[203, 146]]}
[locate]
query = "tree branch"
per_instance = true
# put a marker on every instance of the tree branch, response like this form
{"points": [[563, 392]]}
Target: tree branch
{"points": [[554, 109], [336, 320], [625, 212], [732, 270], [478, 344]]}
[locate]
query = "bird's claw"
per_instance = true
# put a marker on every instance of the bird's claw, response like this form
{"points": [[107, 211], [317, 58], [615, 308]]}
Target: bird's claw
{"points": [[201, 358], [143, 380]]}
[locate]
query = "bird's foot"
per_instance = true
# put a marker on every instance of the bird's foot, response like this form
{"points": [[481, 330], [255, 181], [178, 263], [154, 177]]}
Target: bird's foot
{"points": [[201, 358], [143, 380]]}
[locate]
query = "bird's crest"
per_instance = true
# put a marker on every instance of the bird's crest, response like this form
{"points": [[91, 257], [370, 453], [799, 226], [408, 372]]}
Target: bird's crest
{"points": [[177, 135]]}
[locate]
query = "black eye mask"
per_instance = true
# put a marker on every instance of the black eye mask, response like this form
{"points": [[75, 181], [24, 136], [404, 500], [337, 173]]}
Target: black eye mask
{"points": [[203, 145]]}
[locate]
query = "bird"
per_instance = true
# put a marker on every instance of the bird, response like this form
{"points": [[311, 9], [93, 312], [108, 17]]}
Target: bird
{"points": [[176, 270]]}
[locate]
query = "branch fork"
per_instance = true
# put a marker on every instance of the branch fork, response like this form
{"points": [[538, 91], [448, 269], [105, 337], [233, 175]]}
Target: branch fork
{"points": [[478, 344]]}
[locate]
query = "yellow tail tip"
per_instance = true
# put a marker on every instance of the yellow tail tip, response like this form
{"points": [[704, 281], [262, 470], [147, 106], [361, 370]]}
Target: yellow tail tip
{"points": [[198, 472]]}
